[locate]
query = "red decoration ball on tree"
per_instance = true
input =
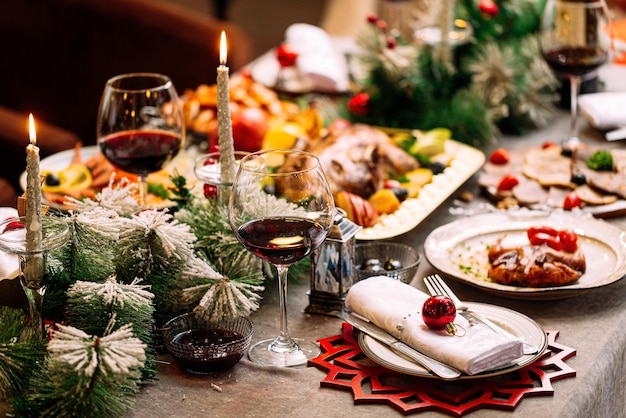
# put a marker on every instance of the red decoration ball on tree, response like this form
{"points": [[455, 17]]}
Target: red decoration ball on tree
{"points": [[438, 311], [359, 104], [488, 7]]}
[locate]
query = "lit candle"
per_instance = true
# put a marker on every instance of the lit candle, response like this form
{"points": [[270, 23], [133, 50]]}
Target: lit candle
{"points": [[224, 124], [33, 269]]}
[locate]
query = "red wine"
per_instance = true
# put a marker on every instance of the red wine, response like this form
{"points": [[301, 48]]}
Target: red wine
{"points": [[281, 241], [140, 152], [575, 61]]}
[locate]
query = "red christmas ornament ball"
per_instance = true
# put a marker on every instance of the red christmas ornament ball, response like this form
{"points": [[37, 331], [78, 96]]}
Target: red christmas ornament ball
{"points": [[286, 56], [438, 311]]}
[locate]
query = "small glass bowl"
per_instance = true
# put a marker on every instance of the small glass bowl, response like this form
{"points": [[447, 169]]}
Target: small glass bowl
{"points": [[207, 347], [371, 260]]}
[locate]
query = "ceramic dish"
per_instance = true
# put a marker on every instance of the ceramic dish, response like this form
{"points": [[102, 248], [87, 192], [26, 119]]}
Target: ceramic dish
{"points": [[516, 323], [467, 161], [459, 250], [61, 160]]}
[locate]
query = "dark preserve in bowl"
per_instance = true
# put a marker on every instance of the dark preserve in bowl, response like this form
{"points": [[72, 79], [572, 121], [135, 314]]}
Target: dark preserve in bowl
{"points": [[207, 347]]}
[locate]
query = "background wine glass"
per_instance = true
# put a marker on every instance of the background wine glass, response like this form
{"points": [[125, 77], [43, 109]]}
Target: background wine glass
{"points": [[575, 42], [281, 215], [140, 124]]}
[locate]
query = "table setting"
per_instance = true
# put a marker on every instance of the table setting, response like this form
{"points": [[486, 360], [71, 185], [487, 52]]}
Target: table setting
{"points": [[423, 277]]}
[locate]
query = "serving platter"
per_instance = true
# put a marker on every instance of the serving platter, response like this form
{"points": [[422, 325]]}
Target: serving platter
{"points": [[516, 323], [467, 161], [61, 160], [459, 250]]}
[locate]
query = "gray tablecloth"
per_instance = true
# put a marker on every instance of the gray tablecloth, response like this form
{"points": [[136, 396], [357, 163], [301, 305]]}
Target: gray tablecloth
{"points": [[593, 323]]}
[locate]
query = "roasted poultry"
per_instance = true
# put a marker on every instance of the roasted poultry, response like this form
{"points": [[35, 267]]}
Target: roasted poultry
{"points": [[534, 265], [359, 158]]}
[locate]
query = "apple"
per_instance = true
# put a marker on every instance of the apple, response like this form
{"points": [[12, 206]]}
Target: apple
{"points": [[249, 125], [358, 210]]}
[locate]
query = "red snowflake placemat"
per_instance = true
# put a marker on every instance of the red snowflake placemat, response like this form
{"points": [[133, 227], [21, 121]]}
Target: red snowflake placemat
{"points": [[349, 369]]}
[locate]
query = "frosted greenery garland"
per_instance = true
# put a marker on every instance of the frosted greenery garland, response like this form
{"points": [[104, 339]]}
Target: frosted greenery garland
{"points": [[116, 197], [229, 282], [21, 351], [92, 305], [117, 353], [118, 265], [86, 375], [216, 296]]}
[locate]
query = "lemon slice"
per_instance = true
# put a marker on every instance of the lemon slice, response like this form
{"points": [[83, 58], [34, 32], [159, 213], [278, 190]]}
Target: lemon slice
{"points": [[431, 142], [283, 136], [73, 178], [287, 241]]}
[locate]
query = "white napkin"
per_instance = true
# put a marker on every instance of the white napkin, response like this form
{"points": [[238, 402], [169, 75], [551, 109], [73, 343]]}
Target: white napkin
{"points": [[9, 263], [320, 66], [604, 110], [388, 303]]}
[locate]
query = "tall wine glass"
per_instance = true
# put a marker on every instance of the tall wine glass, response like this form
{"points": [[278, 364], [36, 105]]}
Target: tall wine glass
{"points": [[574, 43], [140, 124], [281, 208]]}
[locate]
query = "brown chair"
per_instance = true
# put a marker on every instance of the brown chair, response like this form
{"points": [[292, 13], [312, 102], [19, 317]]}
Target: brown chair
{"points": [[58, 54]]}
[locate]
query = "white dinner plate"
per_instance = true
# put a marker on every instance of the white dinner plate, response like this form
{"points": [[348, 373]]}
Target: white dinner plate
{"points": [[467, 161], [61, 160], [516, 323], [459, 249]]}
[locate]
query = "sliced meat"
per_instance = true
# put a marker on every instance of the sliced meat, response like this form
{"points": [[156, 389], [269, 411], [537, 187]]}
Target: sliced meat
{"points": [[529, 192], [548, 166]]}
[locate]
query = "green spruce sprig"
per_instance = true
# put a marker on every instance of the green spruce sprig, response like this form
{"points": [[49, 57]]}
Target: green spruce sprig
{"points": [[86, 375], [22, 351]]}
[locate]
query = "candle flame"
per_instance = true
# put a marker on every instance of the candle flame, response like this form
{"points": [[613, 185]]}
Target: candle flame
{"points": [[31, 129], [223, 48]]}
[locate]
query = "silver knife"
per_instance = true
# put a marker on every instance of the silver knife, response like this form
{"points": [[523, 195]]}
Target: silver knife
{"points": [[442, 370]]}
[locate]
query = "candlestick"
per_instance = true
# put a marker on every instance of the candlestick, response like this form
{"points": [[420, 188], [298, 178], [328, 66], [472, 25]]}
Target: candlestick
{"points": [[224, 124], [33, 269]]}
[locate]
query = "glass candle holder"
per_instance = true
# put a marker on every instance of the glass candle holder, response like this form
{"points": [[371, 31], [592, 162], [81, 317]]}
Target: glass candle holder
{"points": [[208, 170], [55, 233]]}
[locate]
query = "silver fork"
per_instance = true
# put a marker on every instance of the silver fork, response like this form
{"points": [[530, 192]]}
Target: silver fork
{"points": [[436, 286]]}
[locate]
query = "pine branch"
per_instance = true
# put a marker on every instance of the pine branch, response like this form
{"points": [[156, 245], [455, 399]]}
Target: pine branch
{"points": [[21, 351]]}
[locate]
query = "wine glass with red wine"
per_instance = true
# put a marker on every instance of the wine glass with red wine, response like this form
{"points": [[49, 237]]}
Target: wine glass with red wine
{"points": [[281, 208], [140, 124], [575, 42]]}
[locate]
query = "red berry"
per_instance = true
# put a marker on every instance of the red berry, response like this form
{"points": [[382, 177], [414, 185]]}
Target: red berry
{"points": [[571, 201], [214, 148], [391, 42], [508, 182], [210, 161], [210, 191], [488, 7], [438, 311], [382, 25], [541, 238], [372, 18], [534, 230], [569, 240], [499, 156], [359, 104]]}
